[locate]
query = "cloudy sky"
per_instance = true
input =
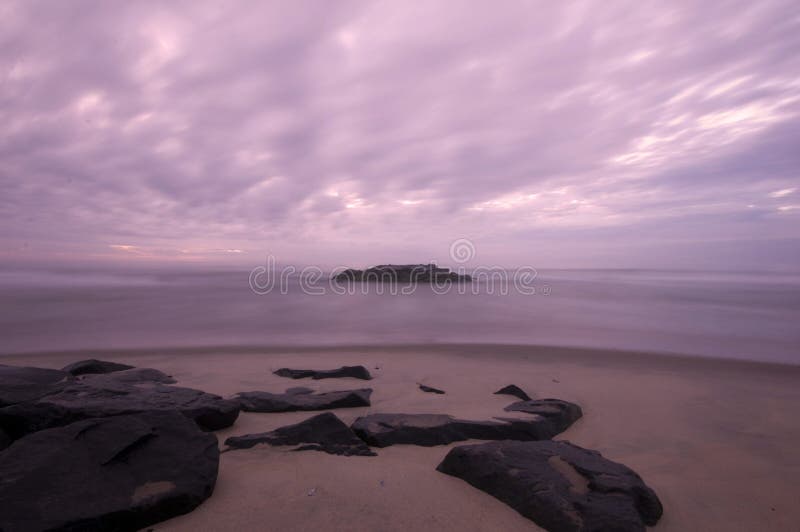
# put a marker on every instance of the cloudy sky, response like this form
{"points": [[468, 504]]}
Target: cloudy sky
{"points": [[555, 134]]}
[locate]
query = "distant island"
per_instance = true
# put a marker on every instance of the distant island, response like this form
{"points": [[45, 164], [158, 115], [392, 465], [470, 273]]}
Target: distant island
{"points": [[403, 273]]}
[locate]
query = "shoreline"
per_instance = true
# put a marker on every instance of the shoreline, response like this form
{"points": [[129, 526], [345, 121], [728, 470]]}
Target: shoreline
{"points": [[536, 352]]}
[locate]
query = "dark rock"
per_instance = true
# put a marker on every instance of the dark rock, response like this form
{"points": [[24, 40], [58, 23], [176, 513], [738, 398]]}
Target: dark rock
{"points": [[405, 273], [323, 432], [134, 376], [514, 390], [92, 366], [302, 399], [113, 394], [120, 473], [558, 485], [560, 414], [382, 430], [430, 389], [356, 372], [20, 384], [5, 440]]}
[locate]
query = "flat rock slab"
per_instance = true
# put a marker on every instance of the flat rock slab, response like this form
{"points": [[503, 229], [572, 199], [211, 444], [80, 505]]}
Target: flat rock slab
{"points": [[93, 366], [120, 473], [516, 391], [20, 384], [302, 399], [430, 389], [382, 430], [113, 394], [356, 372], [323, 432], [133, 376], [561, 414], [558, 485]]}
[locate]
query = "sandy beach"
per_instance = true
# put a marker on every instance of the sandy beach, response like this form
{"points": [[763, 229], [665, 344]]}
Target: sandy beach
{"points": [[715, 439]]}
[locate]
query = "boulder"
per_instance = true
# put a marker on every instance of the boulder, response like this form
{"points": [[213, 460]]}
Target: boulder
{"points": [[120, 473], [92, 366], [430, 389], [513, 389], [560, 414], [20, 384], [302, 399], [558, 485], [382, 430], [113, 394], [356, 372], [323, 432]]}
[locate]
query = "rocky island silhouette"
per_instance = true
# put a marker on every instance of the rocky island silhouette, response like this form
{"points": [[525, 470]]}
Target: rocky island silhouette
{"points": [[403, 273]]}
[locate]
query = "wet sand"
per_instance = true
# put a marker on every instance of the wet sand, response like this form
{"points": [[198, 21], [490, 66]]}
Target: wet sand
{"points": [[716, 439]]}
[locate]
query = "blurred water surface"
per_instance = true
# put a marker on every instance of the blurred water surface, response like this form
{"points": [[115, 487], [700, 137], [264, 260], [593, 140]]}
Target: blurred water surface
{"points": [[733, 315]]}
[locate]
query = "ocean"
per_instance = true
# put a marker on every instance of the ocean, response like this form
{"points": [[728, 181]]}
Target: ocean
{"points": [[717, 314]]}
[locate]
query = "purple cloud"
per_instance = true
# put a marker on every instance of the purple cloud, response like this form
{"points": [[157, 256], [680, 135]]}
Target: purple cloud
{"points": [[552, 134]]}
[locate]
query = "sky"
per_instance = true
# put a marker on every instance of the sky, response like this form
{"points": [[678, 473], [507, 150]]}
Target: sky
{"points": [[551, 134]]}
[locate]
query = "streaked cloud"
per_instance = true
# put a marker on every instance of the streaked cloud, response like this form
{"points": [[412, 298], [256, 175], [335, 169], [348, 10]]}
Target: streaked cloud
{"points": [[601, 132], [782, 192]]}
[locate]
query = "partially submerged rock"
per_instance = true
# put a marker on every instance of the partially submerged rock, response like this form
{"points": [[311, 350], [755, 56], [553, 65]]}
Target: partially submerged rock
{"points": [[356, 372], [113, 394], [20, 384], [558, 485], [513, 389], [402, 273], [323, 432], [560, 414], [382, 430], [120, 473], [302, 399], [93, 366], [430, 389]]}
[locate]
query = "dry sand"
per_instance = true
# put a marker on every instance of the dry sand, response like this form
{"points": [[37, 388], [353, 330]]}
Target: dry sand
{"points": [[717, 440]]}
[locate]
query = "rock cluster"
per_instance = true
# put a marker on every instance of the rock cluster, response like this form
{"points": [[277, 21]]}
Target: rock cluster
{"points": [[113, 394], [405, 273], [105, 446]]}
